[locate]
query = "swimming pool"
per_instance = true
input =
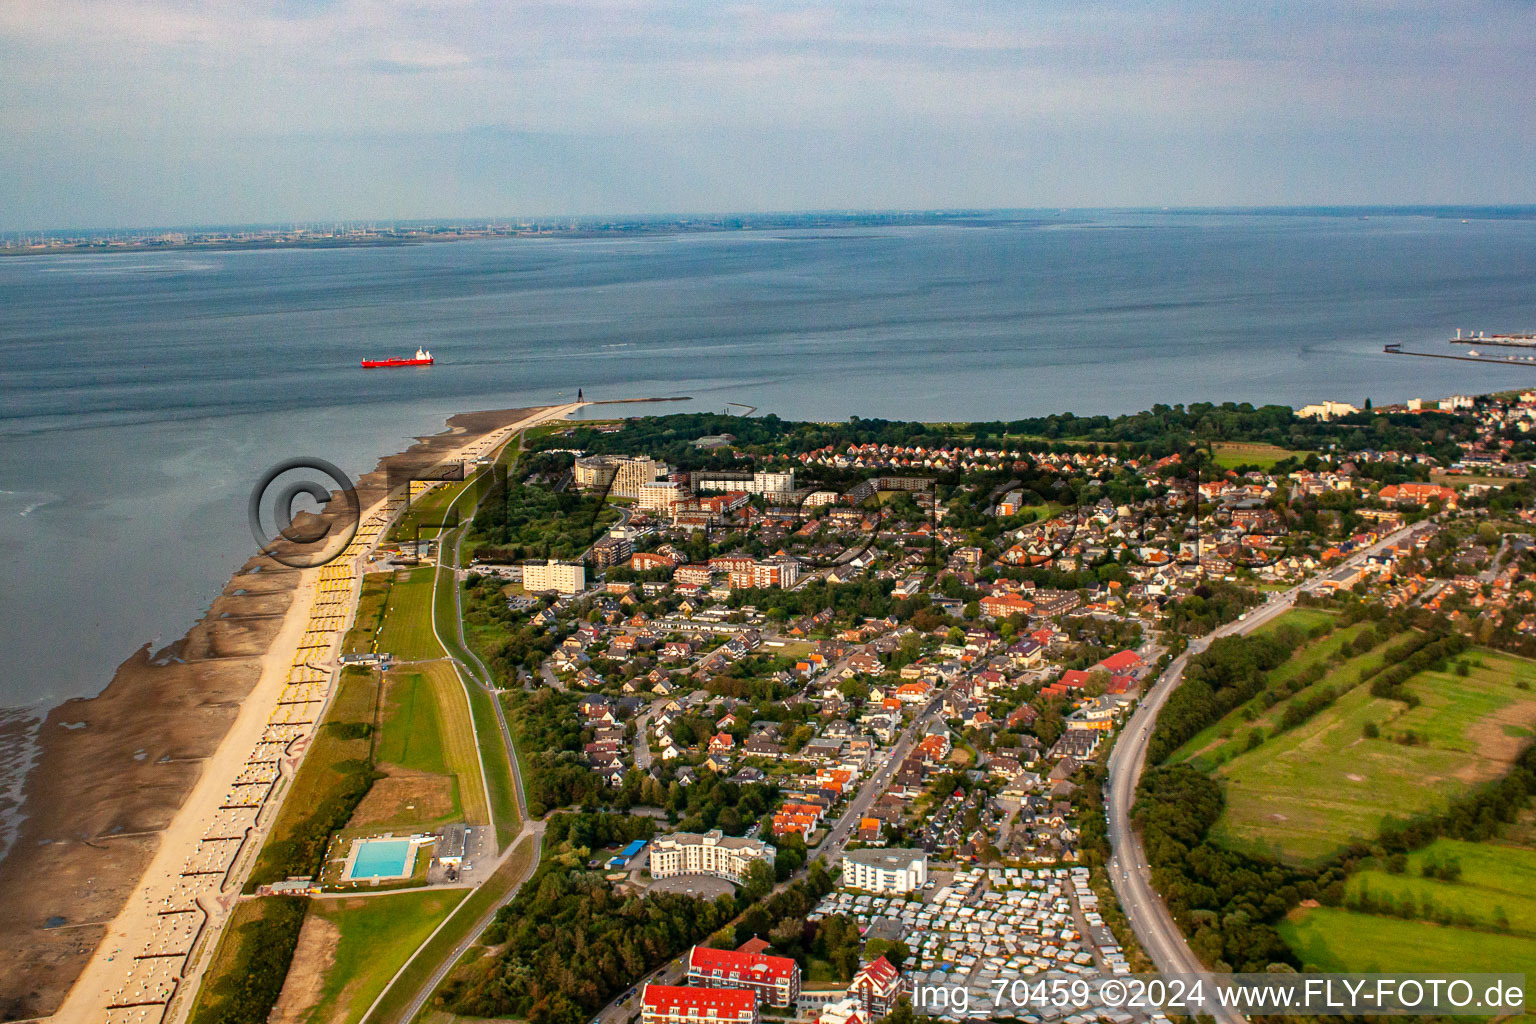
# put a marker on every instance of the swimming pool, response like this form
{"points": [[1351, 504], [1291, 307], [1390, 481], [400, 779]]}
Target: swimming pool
{"points": [[382, 858]]}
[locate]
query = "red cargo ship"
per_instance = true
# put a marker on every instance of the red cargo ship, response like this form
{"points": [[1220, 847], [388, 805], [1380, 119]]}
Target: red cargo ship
{"points": [[421, 358]]}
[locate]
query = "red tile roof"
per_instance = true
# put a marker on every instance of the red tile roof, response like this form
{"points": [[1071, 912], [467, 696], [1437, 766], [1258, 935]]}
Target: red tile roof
{"points": [[672, 999], [733, 964]]}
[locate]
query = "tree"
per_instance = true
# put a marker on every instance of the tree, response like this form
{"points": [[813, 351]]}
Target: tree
{"points": [[759, 882]]}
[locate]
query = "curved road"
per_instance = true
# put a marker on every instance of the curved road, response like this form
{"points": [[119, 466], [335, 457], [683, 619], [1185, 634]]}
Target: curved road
{"points": [[481, 679], [1129, 872]]}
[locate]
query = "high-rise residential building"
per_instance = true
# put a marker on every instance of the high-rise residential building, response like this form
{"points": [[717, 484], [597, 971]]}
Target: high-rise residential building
{"points": [[561, 577], [610, 550], [622, 475]]}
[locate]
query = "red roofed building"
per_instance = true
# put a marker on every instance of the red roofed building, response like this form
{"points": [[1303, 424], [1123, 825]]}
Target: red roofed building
{"points": [[1417, 494], [877, 986], [1001, 606], [681, 1004], [773, 979], [1119, 663], [1073, 679]]}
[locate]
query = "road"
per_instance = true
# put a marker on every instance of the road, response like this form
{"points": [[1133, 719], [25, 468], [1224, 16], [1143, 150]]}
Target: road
{"points": [[479, 676], [1129, 871], [841, 831]]}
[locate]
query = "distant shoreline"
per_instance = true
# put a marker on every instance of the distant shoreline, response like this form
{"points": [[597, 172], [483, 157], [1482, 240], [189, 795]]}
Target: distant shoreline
{"points": [[360, 234]]}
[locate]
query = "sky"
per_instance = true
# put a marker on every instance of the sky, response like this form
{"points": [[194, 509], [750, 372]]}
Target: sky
{"points": [[140, 113]]}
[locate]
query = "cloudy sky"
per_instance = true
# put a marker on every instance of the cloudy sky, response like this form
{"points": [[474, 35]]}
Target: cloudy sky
{"points": [[122, 113]]}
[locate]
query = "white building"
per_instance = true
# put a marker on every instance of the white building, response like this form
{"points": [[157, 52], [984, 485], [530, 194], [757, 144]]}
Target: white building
{"points": [[1326, 410], [660, 496], [773, 483], [623, 475], [713, 853], [888, 870], [561, 577]]}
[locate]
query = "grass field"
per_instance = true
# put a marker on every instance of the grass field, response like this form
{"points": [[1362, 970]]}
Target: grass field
{"points": [[1301, 618], [367, 941], [370, 613], [449, 746], [1496, 888], [407, 632], [507, 877], [1218, 743], [1303, 794], [410, 732], [1330, 939], [493, 752], [341, 749], [1231, 454]]}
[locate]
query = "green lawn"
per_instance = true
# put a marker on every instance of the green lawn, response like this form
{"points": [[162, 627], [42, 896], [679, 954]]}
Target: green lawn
{"points": [[411, 732], [407, 632], [1230, 455], [465, 917], [1303, 794], [374, 936], [1330, 939], [1495, 879]]}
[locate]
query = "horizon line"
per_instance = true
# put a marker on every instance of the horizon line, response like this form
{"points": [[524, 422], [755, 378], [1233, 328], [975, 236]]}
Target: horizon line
{"points": [[1504, 211]]}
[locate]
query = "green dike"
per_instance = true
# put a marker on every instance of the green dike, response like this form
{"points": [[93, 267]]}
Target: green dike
{"points": [[248, 968], [464, 919], [493, 752], [374, 936], [407, 632], [332, 780]]}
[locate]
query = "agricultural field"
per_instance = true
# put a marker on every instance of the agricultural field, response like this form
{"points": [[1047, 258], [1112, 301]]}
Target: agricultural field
{"points": [[351, 947], [1333, 939], [1231, 454], [1495, 887], [1306, 792]]}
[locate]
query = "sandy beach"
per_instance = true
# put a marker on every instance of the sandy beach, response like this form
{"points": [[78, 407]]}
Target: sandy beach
{"points": [[150, 800]]}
